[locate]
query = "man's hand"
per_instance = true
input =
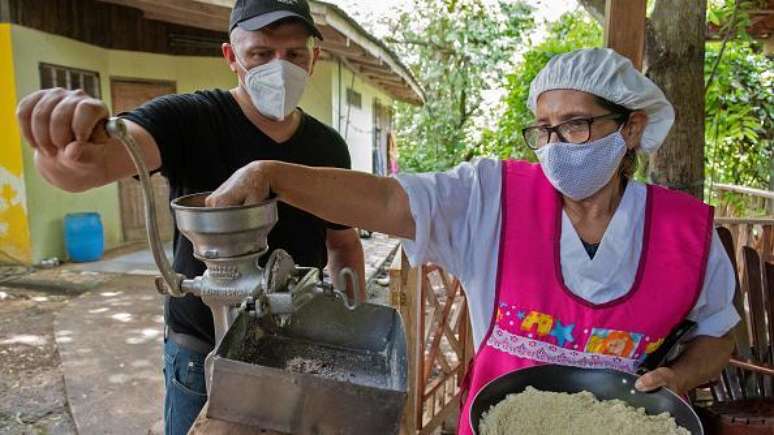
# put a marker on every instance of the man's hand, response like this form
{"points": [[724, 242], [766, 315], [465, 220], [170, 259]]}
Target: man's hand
{"points": [[661, 377], [248, 185], [59, 125], [345, 250]]}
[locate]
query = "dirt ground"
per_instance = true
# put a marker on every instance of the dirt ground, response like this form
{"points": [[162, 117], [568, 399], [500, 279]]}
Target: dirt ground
{"points": [[32, 391], [32, 388]]}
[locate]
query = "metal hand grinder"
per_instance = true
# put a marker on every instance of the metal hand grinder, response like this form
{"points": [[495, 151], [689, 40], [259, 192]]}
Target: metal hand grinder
{"points": [[230, 241], [293, 354]]}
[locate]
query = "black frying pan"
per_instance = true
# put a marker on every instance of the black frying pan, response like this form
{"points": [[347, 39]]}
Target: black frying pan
{"points": [[604, 384]]}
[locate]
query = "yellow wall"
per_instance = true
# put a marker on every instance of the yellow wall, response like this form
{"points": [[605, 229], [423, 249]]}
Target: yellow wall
{"points": [[359, 135], [49, 205], [316, 100], [14, 231]]}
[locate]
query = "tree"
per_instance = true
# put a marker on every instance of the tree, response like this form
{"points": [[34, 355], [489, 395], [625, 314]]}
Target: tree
{"points": [[739, 106], [572, 31], [457, 49]]}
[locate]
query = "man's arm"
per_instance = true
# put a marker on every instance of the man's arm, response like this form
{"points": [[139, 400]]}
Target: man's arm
{"points": [[351, 198], [345, 250], [702, 361], [72, 151]]}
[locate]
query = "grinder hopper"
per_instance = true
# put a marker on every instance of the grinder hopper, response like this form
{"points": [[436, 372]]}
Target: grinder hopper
{"points": [[330, 371], [225, 232]]}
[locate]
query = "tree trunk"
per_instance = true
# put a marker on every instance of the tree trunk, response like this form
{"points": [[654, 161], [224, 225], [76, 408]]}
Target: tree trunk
{"points": [[674, 60]]}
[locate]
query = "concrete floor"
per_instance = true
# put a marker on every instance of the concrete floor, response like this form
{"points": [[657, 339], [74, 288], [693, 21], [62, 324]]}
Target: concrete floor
{"points": [[139, 262], [110, 344]]}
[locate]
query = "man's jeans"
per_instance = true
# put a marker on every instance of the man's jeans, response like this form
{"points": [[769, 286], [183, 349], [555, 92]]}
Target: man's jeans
{"points": [[186, 392]]}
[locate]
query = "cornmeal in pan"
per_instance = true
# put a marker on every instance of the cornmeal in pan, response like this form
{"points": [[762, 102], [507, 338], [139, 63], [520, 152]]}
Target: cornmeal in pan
{"points": [[549, 413]]}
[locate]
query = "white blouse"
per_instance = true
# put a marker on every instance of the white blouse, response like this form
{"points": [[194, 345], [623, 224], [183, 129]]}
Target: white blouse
{"points": [[458, 218]]}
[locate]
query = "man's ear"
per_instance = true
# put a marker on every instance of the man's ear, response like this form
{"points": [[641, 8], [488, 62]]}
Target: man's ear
{"points": [[315, 58], [228, 54]]}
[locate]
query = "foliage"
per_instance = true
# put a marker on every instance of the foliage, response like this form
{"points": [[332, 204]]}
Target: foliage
{"points": [[457, 49], [572, 31], [739, 101], [739, 107]]}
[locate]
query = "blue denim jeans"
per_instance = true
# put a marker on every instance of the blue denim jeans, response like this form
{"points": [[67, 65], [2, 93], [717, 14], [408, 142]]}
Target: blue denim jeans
{"points": [[186, 393]]}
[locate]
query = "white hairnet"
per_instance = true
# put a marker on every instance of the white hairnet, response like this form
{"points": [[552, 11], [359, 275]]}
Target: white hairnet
{"points": [[607, 74]]}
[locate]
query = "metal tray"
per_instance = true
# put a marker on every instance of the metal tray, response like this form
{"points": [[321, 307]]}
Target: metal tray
{"points": [[330, 371]]}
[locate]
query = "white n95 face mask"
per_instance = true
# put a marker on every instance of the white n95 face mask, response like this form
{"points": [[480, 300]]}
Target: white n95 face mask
{"points": [[275, 88], [581, 170]]}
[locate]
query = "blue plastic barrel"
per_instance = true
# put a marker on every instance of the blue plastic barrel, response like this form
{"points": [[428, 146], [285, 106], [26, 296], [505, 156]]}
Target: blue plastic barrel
{"points": [[84, 238]]}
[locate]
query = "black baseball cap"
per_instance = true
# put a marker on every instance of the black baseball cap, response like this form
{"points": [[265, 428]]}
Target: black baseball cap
{"points": [[254, 15]]}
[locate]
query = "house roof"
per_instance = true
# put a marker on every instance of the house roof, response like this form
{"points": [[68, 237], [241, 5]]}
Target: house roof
{"points": [[345, 39]]}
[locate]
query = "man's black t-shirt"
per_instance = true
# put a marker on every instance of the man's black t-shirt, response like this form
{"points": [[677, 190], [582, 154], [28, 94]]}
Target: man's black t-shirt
{"points": [[204, 138]]}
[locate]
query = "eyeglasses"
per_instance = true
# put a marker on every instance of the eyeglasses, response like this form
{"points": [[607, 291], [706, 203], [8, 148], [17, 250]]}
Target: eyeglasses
{"points": [[575, 131]]}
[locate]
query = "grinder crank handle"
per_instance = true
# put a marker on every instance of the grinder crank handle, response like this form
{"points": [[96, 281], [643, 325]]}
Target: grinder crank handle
{"points": [[170, 281], [310, 285], [340, 288]]}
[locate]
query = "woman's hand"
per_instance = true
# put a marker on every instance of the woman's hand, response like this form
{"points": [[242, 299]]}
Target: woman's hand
{"points": [[661, 377], [248, 185], [341, 196], [701, 361]]}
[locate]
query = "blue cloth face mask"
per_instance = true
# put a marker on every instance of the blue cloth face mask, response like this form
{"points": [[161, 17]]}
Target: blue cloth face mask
{"points": [[581, 170]]}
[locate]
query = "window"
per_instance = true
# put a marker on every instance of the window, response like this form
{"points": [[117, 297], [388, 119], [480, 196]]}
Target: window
{"points": [[354, 99], [53, 76]]}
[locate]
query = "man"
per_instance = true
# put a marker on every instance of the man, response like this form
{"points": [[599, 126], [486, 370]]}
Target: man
{"points": [[197, 141]]}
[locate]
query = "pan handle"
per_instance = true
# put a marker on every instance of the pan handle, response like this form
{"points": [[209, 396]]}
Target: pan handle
{"points": [[655, 359]]}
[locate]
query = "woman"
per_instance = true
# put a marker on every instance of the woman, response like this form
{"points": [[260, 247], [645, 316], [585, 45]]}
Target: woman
{"points": [[570, 261]]}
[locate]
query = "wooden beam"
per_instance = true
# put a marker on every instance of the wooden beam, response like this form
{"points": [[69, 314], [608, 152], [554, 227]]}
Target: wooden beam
{"points": [[182, 6], [329, 33], [385, 80], [182, 12], [349, 52], [371, 68], [625, 28], [207, 24], [370, 61]]}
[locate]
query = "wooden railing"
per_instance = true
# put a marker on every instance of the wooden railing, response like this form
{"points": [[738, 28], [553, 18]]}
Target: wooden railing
{"points": [[757, 199], [434, 310], [757, 233]]}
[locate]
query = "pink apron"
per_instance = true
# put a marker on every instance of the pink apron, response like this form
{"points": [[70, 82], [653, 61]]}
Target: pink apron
{"points": [[537, 320]]}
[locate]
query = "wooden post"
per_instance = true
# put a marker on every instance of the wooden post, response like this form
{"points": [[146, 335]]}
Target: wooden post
{"points": [[405, 284], [625, 28]]}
